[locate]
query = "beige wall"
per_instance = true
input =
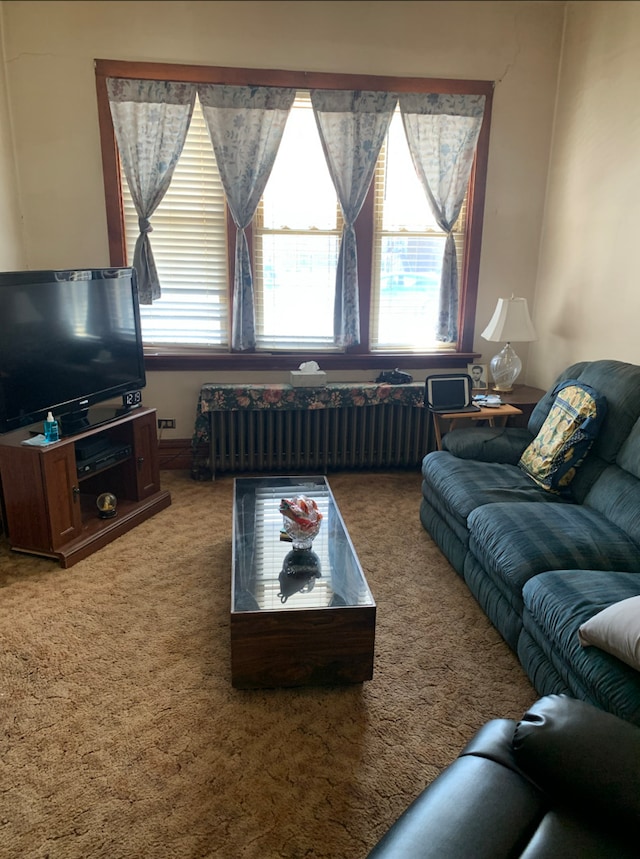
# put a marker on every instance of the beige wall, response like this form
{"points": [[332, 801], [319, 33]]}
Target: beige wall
{"points": [[50, 48], [12, 256], [587, 302]]}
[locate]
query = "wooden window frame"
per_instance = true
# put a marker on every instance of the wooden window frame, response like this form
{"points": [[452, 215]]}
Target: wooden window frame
{"points": [[357, 357]]}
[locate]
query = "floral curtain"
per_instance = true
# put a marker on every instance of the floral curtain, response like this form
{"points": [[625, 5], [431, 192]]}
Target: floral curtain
{"points": [[150, 121], [442, 132], [352, 127], [245, 125]]}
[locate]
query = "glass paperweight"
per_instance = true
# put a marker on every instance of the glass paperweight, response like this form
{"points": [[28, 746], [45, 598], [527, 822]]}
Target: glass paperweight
{"points": [[301, 520]]}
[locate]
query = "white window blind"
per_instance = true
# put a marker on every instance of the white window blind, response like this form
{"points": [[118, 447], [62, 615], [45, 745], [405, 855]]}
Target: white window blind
{"points": [[408, 248], [189, 243]]}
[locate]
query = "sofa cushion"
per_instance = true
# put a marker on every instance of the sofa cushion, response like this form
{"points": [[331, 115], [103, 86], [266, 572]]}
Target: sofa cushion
{"points": [[488, 444], [541, 409], [629, 456], [500, 603], [616, 497], [443, 535], [518, 541], [619, 382], [565, 437], [615, 629], [458, 527], [556, 604], [542, 671], [461, 485]]}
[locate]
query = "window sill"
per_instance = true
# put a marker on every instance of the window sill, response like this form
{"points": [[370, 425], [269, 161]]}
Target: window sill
{"points": [[166, 361]]}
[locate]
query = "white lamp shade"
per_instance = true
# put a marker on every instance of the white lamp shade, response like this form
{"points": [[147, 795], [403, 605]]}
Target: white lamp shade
{"points": [[510, 322]]}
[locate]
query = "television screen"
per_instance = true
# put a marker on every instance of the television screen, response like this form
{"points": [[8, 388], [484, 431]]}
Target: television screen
{"points": [[70, 339]]}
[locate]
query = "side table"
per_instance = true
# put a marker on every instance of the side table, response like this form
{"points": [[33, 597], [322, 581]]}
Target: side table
{"points": [[444, 422], [525, 398]]}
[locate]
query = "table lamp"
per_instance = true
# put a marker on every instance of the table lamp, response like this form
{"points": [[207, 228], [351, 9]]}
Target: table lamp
{"points": [[510, 321]]}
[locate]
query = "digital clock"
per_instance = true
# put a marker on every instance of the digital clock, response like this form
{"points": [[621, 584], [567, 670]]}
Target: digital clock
{"points": [[131, 399]]}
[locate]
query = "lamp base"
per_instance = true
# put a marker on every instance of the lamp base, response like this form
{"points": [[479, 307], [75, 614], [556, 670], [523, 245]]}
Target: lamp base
{"points": [[505, 369]]}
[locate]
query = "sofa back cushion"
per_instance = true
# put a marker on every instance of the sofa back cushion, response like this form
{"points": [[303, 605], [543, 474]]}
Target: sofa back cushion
{"points": [[542, 407], [629, 456], [565, 437], [616, 492], [619, 382]]}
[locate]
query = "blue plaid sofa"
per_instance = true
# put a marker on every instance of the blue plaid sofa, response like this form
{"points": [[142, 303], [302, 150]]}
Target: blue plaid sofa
{"points": [[540, 564]]}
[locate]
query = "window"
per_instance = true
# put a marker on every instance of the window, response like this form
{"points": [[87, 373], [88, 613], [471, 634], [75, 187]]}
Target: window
{"points": [[295, 240], [407, 253], [189, 244]]}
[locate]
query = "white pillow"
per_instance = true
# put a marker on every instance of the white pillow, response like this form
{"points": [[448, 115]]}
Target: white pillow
{"points": [[615, 629]]}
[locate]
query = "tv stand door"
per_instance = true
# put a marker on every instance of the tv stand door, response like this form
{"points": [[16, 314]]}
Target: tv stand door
{"points": [[145, 444], [41, 508], [62, 496]]}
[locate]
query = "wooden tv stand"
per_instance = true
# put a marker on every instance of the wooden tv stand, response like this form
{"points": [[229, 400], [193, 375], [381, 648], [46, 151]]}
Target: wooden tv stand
{"points": [[49, 497]]}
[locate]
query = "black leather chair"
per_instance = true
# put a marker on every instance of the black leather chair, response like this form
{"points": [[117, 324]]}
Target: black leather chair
{"points": [[562, 783]]}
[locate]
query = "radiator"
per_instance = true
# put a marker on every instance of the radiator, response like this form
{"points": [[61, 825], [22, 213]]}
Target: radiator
{"points": [[388, 435]]}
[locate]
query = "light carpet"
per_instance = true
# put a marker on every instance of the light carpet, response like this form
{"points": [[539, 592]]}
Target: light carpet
{"points": [[123, 737]]}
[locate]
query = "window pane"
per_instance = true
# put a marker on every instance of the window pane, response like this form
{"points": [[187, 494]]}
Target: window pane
{"points": [[189, 243], [300, 194], [296, 241], [408, 250], [405, 202], [409, 288], [298, 278]]}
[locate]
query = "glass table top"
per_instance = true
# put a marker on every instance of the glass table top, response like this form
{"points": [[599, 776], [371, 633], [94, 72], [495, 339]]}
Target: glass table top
{"points": [[268, 574]]}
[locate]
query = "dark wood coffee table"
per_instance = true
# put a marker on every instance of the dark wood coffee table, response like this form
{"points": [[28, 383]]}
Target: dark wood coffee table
{"points": [[297, 617]]}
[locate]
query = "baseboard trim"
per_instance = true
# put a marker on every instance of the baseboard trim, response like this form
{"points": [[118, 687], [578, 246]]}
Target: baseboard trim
{"points": [[175, 453]]}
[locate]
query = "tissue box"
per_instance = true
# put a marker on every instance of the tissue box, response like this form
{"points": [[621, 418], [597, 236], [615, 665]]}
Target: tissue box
{"points": [[308, 380]]}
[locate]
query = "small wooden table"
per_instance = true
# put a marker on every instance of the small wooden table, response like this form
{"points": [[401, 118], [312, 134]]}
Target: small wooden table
{"points": [[444, 422]]}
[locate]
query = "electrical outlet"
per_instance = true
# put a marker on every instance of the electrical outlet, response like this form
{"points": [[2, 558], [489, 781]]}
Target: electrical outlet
{"points": [[166, 423]]}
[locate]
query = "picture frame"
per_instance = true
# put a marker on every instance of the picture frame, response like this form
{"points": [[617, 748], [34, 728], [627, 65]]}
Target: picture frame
{"points": [[479, 377]]}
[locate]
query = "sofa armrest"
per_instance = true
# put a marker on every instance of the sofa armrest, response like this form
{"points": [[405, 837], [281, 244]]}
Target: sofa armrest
{"points": [[582, 756], [493, 741], [481, 799], [488, 444]]}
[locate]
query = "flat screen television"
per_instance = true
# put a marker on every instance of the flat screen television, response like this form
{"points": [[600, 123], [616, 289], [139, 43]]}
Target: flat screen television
{"points": [[69, 340]]}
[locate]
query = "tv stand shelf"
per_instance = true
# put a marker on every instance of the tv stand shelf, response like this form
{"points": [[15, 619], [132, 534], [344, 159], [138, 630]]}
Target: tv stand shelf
{"points": [[50, 509]]}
